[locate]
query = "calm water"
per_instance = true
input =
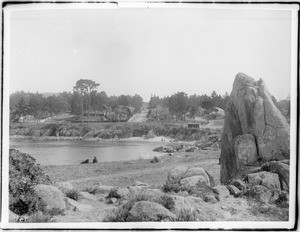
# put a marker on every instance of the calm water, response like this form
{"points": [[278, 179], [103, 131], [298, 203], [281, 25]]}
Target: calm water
{"points": [[73, 152]]}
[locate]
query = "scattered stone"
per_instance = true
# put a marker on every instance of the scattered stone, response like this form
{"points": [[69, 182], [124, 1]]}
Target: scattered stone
{"points": [[221, 190], [241, 185], [76, 206], [192, 181], [267, 179], [88, 196], [159, 149], [169, 150], [251, 110], [51, 196], [189, 177], [111, 200], [134, 190], [254, 170], [282, 168], [234, 190], [205, 145], [103, 189], [141, 184], [149, 211], [118, 193], [261, 193], [264, 208], [210, 198]]}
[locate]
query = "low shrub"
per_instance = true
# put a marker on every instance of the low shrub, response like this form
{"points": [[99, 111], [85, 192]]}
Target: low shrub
{"points": [[186, 215], [172, 185], [39, 217], [166, 201], [73, 194], [24, 175]]}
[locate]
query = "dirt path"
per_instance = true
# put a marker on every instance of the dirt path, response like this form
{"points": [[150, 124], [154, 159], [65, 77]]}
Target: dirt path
{"points": [[140, 117]]}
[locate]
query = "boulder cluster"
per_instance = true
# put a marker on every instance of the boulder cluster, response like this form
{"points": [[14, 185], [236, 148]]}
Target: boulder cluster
{"points": [[210, 142]]}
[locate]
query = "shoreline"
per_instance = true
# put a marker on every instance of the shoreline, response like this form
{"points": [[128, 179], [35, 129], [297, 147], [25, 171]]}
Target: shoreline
{"points": [[130, 139]]}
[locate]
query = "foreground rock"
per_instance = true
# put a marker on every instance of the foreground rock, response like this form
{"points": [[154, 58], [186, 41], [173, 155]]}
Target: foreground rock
{"points": [[267, 179], [76, 206], [149, 211], [251, 111], [187, 178], [51, 196], [64, 186], [282, 168]]}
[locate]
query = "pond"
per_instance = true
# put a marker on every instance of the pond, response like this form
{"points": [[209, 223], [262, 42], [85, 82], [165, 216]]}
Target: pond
{"points": [[73, 152]]}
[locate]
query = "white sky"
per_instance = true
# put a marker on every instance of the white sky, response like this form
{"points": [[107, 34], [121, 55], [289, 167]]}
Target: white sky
{"points": [[149, 51]]}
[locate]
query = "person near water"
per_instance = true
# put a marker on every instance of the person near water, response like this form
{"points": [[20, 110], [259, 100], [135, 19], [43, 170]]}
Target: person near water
{"points": [[85, 161], [95, 160]]}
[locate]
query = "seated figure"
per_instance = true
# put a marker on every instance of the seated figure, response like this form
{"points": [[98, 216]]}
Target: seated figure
{"points": [[85, 162], [95, 160]]}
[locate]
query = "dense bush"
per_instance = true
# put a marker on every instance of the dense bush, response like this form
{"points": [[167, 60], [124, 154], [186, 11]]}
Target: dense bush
{"points": [[24, 175]]}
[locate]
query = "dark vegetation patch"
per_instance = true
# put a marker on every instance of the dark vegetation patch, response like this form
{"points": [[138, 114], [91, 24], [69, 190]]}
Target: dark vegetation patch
{"points": [[73, 194], [111, 131], [24, 175]]}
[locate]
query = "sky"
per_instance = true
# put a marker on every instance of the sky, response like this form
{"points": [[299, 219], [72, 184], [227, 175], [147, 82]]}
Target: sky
{"points": [[149, 51]]}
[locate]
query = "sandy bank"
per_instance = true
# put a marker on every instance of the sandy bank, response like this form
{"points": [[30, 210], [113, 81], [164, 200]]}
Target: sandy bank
{"points": [[123, 173]]}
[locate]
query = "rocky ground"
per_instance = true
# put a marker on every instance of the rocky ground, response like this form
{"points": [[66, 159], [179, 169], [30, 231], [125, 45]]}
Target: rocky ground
{"points": [[109, 189]]}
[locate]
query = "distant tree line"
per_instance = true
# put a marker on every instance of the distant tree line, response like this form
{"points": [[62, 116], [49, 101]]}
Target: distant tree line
{"points": [[180, 103], [85, 97]]}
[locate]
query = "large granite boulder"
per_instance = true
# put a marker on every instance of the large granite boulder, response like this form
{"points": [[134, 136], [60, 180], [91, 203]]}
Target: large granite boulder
{"points": [[189, 177], [282, 168], [51, 196], [251, 110], [64, 186]]}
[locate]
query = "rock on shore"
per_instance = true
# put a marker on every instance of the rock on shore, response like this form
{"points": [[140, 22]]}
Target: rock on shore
{"points": [[252, 112]]}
